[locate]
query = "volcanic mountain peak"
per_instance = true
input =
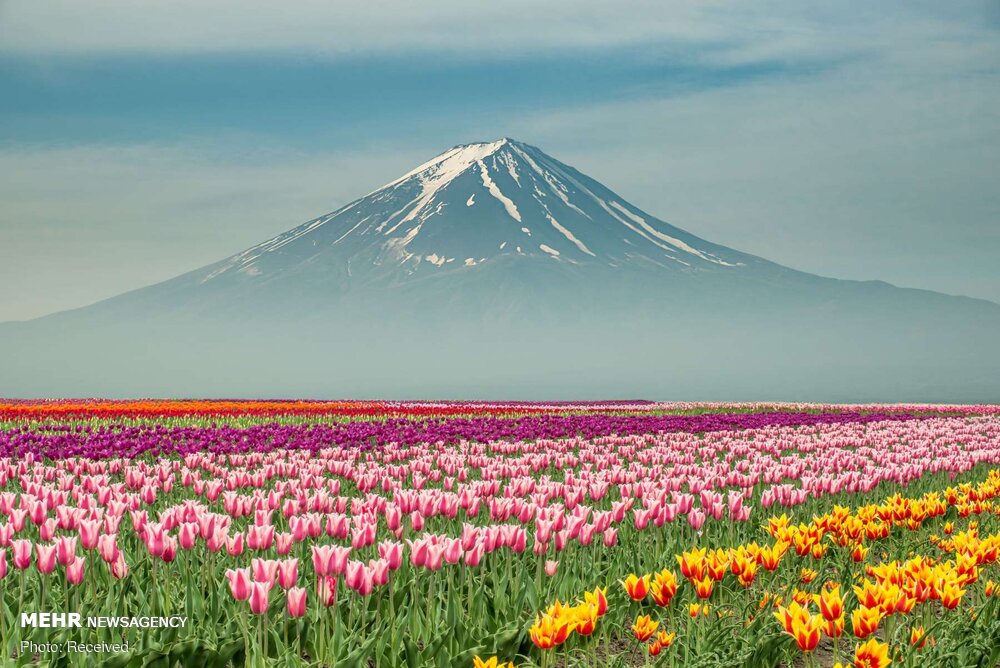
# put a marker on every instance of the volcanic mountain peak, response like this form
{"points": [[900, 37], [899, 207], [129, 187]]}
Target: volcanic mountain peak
{"points": [[469, 206], [496, 270]]}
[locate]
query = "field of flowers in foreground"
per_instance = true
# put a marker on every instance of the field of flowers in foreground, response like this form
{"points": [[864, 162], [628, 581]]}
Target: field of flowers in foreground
{"points": [[470, 534]]}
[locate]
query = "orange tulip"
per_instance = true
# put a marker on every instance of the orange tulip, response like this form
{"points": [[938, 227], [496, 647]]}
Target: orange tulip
{"points": [[598, 598], [865, 621], [704, 587], [951, 594], [549, 631], [663, 587], [802, 597], [807, 632], [831, 603], [776, 524], [692, 564], [872, 654], [770, 557], [919, 637], [717, 564], [747, 575], [644, 628], [665, 639], [791, 615], [492, 662], [834, 628], [869, 596], [585, 618], [636, 587]]}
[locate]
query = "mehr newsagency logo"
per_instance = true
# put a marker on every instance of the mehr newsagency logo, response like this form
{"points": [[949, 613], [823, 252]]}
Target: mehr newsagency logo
{"points": [[64, 620]]}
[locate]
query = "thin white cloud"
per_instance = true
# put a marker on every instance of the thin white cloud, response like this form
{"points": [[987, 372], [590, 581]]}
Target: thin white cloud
{"points": [[320, 26], [736, 30]]}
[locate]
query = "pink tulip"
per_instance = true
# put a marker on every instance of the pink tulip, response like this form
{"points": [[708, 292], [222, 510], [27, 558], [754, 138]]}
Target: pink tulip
{"points": [[3, 564], [392, 552], [239, 583], [296, 602], [74, 571], [355, 574], [37, 512], [379, 570], [326, 589], [474, 556], [418, 552], [234, 545], [22, 553], [550, 567], [169, 552], [6, 534], [435, 557], [89, 532], [107, 547], [453, 552], [188, 535], [47, 529], [259, 597], [265, 570], [288, 573], [283, 543], [322, 556], [338, 563], [119, 569], [46, 558], [260, 537], [153, 536], [217, 539], [66, 550]]}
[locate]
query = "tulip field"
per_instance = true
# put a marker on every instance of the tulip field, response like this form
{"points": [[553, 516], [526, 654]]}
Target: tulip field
{"points": [[392, 534]]}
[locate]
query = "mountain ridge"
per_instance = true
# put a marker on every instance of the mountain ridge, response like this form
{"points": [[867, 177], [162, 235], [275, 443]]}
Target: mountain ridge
{"points": [[496, 270]]}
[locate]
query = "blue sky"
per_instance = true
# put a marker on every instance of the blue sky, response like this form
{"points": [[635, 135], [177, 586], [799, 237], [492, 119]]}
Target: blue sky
{"points": [[141, 140]]}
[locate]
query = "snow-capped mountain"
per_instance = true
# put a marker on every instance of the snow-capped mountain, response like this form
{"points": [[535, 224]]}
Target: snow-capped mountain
{"points": [[473, 205], [496, 271]]}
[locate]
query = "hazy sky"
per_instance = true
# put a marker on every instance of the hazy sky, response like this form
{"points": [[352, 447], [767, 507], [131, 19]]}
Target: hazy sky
{"points": [[140, 140]]}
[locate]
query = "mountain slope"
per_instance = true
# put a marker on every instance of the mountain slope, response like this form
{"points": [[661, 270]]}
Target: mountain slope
{"points": [[496, 270]]}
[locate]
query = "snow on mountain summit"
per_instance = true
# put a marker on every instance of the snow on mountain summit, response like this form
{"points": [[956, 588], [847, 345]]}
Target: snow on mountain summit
{"points": [[470, 206]]}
